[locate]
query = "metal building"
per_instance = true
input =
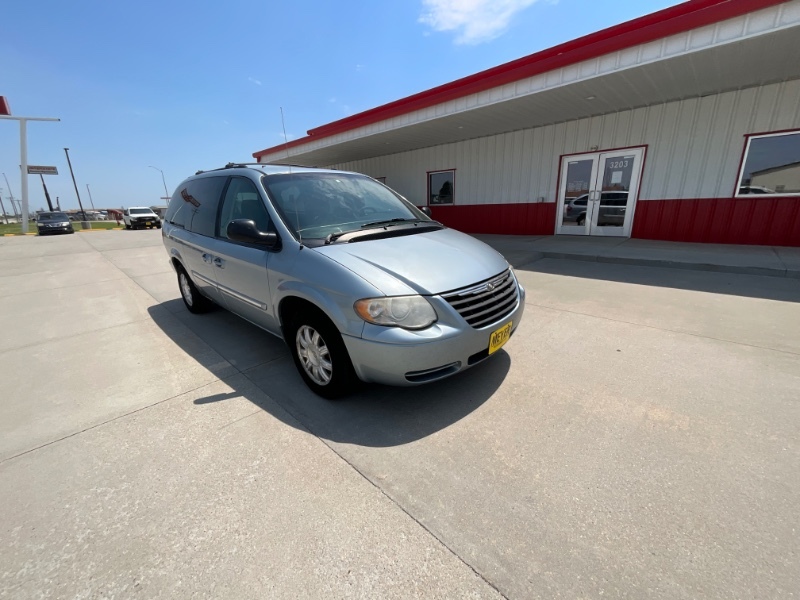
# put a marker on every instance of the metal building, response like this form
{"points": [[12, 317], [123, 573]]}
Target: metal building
{"points": [[680, 125]]}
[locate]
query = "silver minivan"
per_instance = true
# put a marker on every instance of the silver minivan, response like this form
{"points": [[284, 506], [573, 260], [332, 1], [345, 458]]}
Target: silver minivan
{"points": [[360, 283]]}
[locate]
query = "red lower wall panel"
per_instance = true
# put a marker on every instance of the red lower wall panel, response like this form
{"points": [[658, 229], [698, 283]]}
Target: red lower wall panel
{"points": [[755, 220], [538, 218]]}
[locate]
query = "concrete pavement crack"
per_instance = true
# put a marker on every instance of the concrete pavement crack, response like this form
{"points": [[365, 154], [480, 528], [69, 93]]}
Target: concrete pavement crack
{"points": [[381, 491], [107, 421]]}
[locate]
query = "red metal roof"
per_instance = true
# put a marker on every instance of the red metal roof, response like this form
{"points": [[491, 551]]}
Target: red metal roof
{"points": [[670, 21]]}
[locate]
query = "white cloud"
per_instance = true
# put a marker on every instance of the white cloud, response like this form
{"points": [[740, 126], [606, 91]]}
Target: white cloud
{"points": [[332, 100], [289, 136], [474, 21], [253, 80], [360, 68]]}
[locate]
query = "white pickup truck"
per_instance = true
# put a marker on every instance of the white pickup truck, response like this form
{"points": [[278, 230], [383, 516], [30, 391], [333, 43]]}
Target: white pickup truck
{"points": [[138, 217]]}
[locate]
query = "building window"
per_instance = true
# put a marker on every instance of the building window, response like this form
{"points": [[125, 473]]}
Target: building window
{"points": [[771, 165], [442, 187]]}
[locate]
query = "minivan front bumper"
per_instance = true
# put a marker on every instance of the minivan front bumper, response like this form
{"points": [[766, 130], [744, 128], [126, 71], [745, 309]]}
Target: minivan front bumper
{"points": [[395, 356]]}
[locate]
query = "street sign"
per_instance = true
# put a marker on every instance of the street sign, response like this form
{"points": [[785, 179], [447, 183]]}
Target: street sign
{"points": [[41, 170]]}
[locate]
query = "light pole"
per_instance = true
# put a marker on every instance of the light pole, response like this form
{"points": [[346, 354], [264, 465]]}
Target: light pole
{"points": [[23, 159], [164, 181], [77, 193], [90, 195]]}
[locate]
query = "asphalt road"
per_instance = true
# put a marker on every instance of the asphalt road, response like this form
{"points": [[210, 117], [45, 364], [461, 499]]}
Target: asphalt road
{"points": [[637, 437]]}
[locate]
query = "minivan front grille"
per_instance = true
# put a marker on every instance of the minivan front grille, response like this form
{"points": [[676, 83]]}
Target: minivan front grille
{"points": [[487, 301]]}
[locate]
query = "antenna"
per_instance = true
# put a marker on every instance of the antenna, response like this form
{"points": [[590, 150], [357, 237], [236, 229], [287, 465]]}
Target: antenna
{"points": [[285, 145]]}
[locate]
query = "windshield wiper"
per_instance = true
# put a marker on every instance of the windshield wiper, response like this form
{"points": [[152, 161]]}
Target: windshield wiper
{"points": [[332, 237], [390, 221]]}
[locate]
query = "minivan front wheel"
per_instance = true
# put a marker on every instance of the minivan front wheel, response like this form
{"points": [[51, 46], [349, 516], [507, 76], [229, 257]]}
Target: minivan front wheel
{"points": [[195, 302], [320, 355]]}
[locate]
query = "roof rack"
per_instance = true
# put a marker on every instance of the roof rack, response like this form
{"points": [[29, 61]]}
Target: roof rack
{"points": [[232, 165]]}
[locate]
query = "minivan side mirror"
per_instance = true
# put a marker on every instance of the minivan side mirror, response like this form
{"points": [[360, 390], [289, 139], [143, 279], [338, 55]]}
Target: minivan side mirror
{"points": [[245, 230], [427, 211]]}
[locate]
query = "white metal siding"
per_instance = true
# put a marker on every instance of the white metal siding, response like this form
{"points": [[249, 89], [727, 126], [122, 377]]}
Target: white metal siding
{"points": [[694, 148]]}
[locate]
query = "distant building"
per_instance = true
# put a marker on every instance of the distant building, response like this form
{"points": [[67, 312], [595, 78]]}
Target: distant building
{"points": [[679, 125]]}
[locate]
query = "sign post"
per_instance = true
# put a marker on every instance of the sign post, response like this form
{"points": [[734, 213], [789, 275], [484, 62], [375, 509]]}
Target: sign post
{"points": [[41, 171], [5, 113]]}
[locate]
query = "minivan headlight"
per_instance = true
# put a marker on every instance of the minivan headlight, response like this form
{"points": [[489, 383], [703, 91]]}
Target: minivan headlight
{"points": [[408, 312]]}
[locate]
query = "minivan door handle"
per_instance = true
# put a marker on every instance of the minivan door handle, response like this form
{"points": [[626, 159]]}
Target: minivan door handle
{"points": [[218, 262], [206, 257]]}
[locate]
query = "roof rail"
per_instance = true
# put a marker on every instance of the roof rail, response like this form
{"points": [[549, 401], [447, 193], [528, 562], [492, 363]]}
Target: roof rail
{"points": [[232, 165]]}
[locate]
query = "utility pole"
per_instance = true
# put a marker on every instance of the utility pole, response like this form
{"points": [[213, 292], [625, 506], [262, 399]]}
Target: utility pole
{"points": [[77, 193], [46, 195]]}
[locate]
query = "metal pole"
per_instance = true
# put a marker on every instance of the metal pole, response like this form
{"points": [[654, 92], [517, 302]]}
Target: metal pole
{"points": [[164, 181], [90, 195], [23, 147], [77, 193], [11, 197], [3, 208], [23, 155], [46, 195]]}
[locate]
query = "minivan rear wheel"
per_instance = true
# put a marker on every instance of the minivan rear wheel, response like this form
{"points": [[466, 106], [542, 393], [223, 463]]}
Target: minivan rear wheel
{"points": [[195, 302], [320, 355]]}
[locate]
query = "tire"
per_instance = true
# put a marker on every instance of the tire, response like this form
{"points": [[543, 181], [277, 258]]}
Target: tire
{"points": [[127, 226], [158, 226], [581, 220], [320, 355], [194, 301]]}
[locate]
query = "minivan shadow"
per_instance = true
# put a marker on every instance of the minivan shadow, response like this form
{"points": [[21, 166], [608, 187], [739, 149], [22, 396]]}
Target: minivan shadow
{"points": [[375, 416]]}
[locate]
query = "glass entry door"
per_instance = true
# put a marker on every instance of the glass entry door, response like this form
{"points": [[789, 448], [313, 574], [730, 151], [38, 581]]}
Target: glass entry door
{"points": [[597, 192]]}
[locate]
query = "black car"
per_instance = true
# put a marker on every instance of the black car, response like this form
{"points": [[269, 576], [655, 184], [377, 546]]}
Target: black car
{"points": [[53, 222]]}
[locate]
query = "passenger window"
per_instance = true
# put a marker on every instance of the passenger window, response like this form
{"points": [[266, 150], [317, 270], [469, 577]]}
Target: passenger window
{"points": [[202, 198], [242, 201]]}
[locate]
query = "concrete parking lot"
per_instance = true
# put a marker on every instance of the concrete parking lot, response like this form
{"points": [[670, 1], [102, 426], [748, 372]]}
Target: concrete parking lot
{"points": [[637, 437]]}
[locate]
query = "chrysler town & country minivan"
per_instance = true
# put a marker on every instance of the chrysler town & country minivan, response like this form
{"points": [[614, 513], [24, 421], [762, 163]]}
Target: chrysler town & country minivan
{"points": [[359, 282]]}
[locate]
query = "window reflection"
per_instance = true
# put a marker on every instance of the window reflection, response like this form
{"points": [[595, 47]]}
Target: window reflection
{"points": [[771, 165], [441, 187]]}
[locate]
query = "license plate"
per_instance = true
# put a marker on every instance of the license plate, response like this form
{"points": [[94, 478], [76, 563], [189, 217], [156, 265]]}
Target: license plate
{"points": [[499, 337], [148, 223]]}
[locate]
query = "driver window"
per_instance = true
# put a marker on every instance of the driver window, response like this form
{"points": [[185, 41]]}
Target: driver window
{"points": [[242, 201]]}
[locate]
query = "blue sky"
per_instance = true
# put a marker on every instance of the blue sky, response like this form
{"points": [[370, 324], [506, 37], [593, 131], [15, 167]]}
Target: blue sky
{"points": [[185, 86]]}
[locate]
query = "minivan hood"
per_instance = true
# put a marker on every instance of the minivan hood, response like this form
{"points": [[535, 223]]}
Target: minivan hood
{"points": [[425, 263]]}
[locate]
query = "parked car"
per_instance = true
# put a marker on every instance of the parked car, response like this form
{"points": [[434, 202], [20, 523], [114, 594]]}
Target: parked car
{"points": [[613, 206], [53, 222], [360, 283], [138, 217]]}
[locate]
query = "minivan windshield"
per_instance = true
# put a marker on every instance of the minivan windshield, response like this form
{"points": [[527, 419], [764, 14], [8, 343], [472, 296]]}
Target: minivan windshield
{"points": [[319, 205], [53, 216]]}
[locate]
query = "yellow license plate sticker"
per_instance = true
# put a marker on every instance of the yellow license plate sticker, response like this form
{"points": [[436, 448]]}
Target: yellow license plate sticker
{"points": [[499, 337]]}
